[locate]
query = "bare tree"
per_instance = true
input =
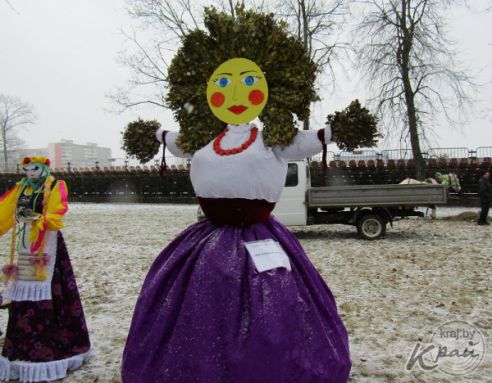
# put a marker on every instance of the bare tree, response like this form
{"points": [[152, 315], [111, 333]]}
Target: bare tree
{"points": [[318, 24], [230, 6], [11, 7], [164, 23], [411, 66], [14, 113]]}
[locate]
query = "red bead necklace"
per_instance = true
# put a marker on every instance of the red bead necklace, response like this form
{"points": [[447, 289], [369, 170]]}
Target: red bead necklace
{"points": [[227, 152]]}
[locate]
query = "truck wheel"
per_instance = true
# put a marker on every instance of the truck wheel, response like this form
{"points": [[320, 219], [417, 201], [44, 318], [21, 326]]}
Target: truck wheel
{"points": [[371, 226]]}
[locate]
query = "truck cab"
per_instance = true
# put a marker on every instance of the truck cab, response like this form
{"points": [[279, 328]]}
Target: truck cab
{"points": [[291, 210]]}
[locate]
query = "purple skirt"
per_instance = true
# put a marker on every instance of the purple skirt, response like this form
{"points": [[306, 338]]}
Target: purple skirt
{"points": [[206, 315]]}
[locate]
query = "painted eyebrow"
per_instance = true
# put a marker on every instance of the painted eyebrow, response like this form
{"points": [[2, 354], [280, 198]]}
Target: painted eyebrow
{"points": [[218, 74], [247, 71]]}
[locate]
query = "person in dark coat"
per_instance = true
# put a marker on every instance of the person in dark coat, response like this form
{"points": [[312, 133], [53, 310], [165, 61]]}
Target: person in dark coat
{"points": [[485, 194]]}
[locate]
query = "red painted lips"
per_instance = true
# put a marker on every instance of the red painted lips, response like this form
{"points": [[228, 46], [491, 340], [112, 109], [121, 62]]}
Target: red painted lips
{"points": [[237, 109]]}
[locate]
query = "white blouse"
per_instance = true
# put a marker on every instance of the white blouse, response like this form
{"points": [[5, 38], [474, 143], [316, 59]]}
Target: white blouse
{"points": [[256, 173]]}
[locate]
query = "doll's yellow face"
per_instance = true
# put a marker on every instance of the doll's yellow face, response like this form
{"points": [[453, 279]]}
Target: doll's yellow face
{"points": [[237, 91]]}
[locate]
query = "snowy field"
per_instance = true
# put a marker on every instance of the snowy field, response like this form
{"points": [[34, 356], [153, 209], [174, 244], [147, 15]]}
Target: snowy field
{"points": [[391, 293]]}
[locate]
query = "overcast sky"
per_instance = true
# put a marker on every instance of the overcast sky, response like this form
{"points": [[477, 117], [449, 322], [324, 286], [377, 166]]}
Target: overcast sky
{"points": [[61, 57]]}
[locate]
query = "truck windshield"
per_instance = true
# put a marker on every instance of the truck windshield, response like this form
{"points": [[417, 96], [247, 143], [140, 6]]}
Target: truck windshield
{"points": [[292, 178]]}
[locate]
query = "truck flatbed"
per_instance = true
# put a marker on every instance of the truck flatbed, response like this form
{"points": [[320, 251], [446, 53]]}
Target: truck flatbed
{"points": [[377, 196], [367, 207]]}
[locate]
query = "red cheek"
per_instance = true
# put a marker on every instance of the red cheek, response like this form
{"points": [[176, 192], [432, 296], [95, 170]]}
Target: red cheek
{"points": [[256, 97], [217, 99]]}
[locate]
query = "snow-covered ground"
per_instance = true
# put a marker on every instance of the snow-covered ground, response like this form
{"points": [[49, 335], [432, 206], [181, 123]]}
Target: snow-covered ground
{"points": [[449, 211], [391, 293]]}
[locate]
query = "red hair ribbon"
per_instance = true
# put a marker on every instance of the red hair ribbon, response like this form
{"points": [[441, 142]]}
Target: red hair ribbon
{"points": [[163, 161], [321, 136]]}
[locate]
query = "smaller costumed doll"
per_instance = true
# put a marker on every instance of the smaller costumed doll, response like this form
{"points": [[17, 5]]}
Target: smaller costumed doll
{"points": [[46, 332]]}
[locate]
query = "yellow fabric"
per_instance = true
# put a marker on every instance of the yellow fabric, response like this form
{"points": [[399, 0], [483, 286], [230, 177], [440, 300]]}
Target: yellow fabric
{"points": [[57, 207], [8, 202]]}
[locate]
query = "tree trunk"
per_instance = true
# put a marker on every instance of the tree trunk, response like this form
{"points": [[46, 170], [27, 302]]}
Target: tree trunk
{"points": [[232, 8], [403, 57], [305, 43], [413, 127], [414, 137], [4, 141]]}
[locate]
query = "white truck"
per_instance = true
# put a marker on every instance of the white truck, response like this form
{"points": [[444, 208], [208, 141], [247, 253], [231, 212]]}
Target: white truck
{"points": [[368, 207]]}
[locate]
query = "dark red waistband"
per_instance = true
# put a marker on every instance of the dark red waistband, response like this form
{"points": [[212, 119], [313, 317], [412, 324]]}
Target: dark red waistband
{"points": [[236, 211]]}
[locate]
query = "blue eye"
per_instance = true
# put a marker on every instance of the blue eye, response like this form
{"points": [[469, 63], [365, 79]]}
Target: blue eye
{"points": [[249, 80], [223, 82]]}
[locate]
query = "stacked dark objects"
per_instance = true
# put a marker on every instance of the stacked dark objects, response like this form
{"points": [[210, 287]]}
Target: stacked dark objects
{"points": [[145, 184]]}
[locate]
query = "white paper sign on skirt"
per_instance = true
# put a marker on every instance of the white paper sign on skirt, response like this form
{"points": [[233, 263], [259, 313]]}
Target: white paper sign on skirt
{"points": [[267, 255]]}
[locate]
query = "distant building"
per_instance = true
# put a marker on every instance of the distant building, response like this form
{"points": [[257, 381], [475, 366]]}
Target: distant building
{"points": [[17, 154], [66, 152], [63, 154]]}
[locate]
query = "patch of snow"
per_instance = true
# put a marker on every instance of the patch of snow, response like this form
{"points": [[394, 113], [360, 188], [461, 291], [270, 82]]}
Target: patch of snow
{"points": [[390, 292]]}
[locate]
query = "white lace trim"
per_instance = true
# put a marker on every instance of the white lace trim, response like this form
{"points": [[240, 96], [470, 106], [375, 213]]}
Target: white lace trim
{"points": [[28, 372], [29, 291], [20, 291]]}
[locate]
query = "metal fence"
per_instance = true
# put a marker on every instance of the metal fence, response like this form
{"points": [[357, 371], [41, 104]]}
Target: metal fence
{"points": [[484, 152], [396, 154], [330, 156], [156, 161], [126, 163], [357, 155], [447, 153], [172, 162]]}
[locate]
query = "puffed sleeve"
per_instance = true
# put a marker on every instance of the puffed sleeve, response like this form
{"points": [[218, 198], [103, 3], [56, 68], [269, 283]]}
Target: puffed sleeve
{"points": [[306, 143], [52, 221], [8, 202], [57, 206], [170, 138]]}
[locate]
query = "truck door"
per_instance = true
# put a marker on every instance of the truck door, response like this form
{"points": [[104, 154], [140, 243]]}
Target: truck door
{"points": [[291, 209]]}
